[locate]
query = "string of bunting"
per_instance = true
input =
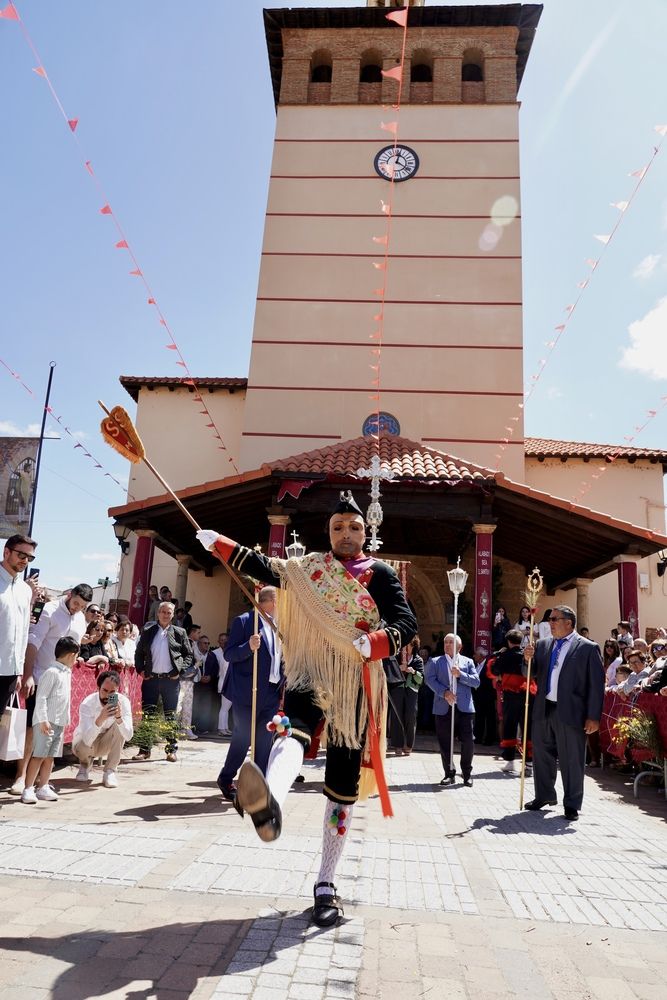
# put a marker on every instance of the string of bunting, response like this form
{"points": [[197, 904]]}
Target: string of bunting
{"points": [[400, 18], [10, 13], [63, 426], [593, 263]]}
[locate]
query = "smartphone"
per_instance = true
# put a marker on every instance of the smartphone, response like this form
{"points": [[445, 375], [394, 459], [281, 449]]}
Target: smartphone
{"points": [[37, 609], [33, 572], [112, 700]]}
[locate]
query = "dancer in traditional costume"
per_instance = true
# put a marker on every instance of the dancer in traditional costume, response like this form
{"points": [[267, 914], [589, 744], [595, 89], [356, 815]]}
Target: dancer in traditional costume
{"points": [[339, 613]]}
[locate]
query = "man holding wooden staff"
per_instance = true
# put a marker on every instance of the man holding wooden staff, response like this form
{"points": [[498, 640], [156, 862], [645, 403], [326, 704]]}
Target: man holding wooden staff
{"points": [[568, 706], [340, 613]]}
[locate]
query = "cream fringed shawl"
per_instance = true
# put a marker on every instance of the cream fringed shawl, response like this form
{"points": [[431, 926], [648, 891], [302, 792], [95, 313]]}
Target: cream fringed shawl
{"points": [[319, 603]]}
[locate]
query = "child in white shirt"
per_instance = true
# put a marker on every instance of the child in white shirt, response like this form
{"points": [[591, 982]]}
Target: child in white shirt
{"points": [[49, 719]]}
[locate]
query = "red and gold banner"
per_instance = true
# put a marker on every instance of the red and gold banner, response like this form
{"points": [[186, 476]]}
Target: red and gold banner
{"points": [[628, 596], [483, 590]]}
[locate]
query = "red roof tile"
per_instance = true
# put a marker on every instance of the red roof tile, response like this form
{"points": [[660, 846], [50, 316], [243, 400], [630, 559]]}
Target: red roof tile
{"points": [[133, 383], [548, 448], [406, 460]]}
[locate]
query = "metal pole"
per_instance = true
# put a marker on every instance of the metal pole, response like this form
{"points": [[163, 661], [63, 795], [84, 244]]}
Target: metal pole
{"points": [[52, 365], [453, 707]]}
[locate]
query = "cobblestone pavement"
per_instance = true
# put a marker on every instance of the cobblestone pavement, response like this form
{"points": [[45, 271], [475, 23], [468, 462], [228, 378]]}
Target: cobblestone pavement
{"points": [[157, 889]]}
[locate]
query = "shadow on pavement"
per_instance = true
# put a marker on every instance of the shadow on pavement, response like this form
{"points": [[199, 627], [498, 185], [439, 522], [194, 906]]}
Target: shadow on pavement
{"points": [[187, 807], [173, 958], [540, 823]]}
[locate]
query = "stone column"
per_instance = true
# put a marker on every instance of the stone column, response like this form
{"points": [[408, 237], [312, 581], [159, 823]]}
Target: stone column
{"points": [[628, 593], [141, 575], [277, 533], [483, 586], [583, 616], [181, 588]]}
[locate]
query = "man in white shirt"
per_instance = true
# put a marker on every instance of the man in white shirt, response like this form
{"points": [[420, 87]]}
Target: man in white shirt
{"points": [[225, 703], [15, 601], [59, 619], [103, 729]]}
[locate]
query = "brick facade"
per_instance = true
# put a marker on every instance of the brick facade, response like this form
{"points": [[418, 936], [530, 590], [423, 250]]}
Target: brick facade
{"points": [[347, 49]]}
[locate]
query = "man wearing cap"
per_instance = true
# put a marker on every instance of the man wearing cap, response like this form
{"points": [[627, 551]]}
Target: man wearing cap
{"points": [[340, 613]]}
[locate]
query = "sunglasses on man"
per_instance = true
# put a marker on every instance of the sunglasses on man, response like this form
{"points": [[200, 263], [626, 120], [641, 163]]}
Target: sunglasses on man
{"points": [[23, 555]]}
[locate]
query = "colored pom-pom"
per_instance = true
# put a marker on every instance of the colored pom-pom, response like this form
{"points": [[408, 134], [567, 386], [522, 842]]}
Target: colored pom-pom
{"points": [[341, 831], [276, 719]]}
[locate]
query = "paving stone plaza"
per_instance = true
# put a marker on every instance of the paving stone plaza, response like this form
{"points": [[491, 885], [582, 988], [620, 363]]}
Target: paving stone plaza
{"points": [[158, 890]]}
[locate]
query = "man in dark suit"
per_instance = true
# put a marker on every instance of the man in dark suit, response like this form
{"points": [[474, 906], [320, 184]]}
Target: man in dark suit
{"points": [[237, 687], [163, 653], [568, 705]]}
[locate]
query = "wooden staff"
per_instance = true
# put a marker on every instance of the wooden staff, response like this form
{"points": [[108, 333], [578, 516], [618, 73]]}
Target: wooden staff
{"points": [[255, 656], [133, 450], [533, 589]]}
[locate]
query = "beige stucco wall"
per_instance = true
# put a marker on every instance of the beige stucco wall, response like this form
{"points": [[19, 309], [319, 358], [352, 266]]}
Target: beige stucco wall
{"points": [[178, 442], [631, 492], [445, 296]]}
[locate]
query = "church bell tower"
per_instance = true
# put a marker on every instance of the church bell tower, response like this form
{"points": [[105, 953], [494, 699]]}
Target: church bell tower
{"points": [[452, 351]]}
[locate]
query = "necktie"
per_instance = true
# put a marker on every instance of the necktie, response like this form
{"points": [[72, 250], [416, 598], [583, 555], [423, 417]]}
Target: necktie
{"points": [[553, 660]]}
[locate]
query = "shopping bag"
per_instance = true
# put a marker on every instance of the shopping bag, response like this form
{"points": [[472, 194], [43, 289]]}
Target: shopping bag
{"points": [[12, 730]]}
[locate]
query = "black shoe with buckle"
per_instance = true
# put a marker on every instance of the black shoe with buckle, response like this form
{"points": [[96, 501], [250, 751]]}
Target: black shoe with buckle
{"points": [[327, 907], [253, 796]]}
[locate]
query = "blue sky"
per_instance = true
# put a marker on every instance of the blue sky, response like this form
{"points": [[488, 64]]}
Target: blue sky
{"points": [[176, 114]]}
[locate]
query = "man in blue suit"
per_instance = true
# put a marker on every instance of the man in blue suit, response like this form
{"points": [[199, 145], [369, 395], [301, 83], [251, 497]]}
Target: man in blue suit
{"points": [[568, 705], [438, 674], [237, 687]]}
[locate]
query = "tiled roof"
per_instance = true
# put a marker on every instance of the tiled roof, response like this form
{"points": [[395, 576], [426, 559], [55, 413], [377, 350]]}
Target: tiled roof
{"points": [[405, 458], [547, 448], [133, 383]]}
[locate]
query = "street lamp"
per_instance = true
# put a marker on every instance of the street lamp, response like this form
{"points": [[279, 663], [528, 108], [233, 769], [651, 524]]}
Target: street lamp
{"points": [[297, 549], [457, 579], [121, 531]]}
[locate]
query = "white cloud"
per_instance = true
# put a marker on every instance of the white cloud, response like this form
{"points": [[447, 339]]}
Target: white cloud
{"points": [[647, 266], [9, 429], [646, 353]]}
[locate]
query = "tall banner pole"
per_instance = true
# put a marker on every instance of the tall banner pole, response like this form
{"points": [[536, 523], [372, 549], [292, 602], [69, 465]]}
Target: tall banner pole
{"points": [[457, 579], [534, 586], [52, 365]]}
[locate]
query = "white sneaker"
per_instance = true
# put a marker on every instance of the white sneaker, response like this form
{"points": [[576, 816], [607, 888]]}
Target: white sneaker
{"points": [[28, 795], [46, 794], [189, 735], [83, 774], [18, 787], [510, 767], [109, 779]]}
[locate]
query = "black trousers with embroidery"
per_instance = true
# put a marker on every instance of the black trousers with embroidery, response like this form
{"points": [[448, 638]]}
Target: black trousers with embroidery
{"points": [[343, 765]]}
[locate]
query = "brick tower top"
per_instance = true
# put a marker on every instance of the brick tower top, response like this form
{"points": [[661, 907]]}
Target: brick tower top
{"points": [[454, 55]]}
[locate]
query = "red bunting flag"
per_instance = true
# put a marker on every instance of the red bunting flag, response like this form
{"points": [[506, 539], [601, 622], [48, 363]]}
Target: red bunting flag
{"points": [[398, 17], [379, 265], [394, 74], [136, 273], [181, 363], [638, 173], [186, 381], [40, 71], [171, 347], [9, 12], [385, 207], [581, 284], [389, 127], [73, 122], [660, 129], [163, 322], [591, 263], [105, 210], [151, 302], [381, 239], [89, 168], [122, 245]]}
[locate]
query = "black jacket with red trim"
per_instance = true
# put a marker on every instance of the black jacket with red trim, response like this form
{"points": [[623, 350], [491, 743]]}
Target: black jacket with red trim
{"points": [[398, 624], [509, 665]]}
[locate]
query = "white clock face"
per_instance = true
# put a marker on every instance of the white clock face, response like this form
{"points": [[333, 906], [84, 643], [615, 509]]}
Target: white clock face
{"points": [[397, 163]]}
